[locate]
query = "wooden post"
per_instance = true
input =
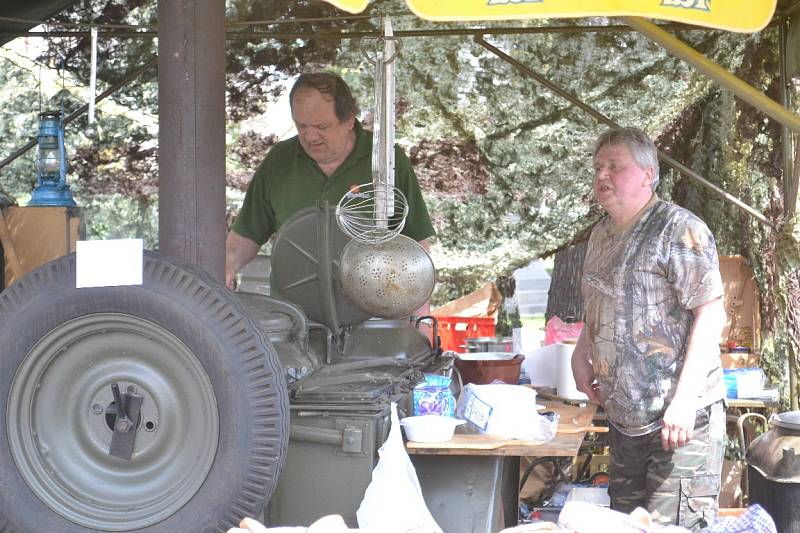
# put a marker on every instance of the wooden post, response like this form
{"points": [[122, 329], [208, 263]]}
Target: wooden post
{"points": [[191, 155]]}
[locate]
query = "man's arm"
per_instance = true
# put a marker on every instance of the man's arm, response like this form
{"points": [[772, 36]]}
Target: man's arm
{"points": [[582, 369], [238, 252], [678, 423]]}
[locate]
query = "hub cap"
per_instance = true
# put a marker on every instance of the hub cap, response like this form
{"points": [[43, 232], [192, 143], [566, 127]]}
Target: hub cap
{"points": [[60, 415]]}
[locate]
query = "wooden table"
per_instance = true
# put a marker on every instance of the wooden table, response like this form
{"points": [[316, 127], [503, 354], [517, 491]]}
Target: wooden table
{"points": [[471, 483], [744, 403], [572, 427]]}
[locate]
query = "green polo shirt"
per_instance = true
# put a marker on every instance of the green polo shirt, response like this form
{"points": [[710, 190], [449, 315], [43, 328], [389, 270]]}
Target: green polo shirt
{"points": [[288, 180]]}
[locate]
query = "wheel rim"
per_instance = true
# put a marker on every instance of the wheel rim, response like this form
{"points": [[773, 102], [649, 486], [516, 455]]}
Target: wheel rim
{"points": [[58, 427]]}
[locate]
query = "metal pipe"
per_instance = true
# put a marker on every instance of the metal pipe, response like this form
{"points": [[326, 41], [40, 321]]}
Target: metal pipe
{"points": [[75, 114], [329, 437], [790, 182], [790, 188], [727, 80], [605, 120], [792, 10], [454, 32], [93, 76], [793, 400]]}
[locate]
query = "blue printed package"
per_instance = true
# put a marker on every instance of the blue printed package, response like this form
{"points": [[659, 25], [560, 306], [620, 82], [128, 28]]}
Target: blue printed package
{"points": [[744, 382], [433, 396]]}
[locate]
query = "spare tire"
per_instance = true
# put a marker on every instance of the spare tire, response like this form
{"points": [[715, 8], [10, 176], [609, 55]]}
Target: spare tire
{"points": [[213, 427]]}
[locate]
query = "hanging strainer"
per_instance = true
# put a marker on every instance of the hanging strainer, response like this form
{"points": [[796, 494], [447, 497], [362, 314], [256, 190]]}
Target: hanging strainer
{"points": [[382, 273], [377, 213], [390, 279]]}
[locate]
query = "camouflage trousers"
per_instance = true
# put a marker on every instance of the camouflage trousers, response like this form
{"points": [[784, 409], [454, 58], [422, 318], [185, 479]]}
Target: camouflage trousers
{"points": [[677, 487]]}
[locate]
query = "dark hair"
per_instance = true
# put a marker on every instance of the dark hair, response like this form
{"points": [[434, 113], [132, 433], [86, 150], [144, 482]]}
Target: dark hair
{"points": [[332, 85], [642, 148]]}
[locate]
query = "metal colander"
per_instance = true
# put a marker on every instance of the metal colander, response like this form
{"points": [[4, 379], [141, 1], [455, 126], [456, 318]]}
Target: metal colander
{"points": [[388, 280]]}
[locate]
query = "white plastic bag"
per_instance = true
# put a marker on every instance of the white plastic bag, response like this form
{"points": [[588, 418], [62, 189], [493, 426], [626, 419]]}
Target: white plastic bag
{"points": [[393, 501], [504, 410]]}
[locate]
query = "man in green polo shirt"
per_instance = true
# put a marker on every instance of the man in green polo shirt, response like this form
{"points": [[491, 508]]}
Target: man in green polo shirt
{"points": [[330, 156]]}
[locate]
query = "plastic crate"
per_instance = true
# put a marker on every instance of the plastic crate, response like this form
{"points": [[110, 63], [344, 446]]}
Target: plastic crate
{"points": [[453, 330]]}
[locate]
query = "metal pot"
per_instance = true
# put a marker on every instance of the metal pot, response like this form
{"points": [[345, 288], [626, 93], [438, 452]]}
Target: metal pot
{"points": [[486, 370], [489, 344], [774, 471]]}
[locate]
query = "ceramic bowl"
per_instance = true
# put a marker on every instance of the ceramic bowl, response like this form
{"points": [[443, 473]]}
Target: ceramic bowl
{"points": [[430, 428]]}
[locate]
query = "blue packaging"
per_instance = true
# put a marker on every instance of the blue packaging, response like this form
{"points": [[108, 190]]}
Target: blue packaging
{"points": [[433, 396], [730, 384], [743, 382]]}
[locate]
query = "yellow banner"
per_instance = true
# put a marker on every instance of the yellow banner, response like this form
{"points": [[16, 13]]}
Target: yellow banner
{"points": [[731, 15], [351, 6]]}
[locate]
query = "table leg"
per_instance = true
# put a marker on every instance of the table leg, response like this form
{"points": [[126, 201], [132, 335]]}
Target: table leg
{"points": [[470, 494], [510, 490]]}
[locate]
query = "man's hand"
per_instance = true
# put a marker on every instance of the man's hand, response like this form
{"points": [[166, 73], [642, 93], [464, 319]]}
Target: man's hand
{"points": [[582, 369], [238, 252], [248, 525], [677, 426], [583, 372], [678, 423]]}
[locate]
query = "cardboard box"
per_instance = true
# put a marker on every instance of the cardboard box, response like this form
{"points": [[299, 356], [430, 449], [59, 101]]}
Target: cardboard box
{"points": [[739, 360], [39, 235], [484, 302], [741, 303]]}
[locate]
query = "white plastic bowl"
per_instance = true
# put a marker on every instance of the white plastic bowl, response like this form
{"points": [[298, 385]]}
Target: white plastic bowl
{"points": [[430, 428]]}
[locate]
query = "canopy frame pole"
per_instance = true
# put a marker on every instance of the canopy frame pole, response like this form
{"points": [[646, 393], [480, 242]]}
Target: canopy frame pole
{"points": [[724, 78], [790, 179], [683, 169]]}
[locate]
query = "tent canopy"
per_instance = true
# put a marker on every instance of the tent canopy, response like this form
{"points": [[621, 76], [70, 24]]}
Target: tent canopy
{"points": [[732, 15], [21, 15]]}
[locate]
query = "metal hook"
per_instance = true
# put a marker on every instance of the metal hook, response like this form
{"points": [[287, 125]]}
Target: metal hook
{"points": [[378, 48]]}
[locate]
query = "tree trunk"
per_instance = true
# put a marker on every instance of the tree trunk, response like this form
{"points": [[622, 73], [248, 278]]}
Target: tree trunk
{"points": [[564, 297]]}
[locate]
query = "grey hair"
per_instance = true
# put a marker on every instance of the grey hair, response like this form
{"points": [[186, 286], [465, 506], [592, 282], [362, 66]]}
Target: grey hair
{"points": [[331, 85], [642, 148]]}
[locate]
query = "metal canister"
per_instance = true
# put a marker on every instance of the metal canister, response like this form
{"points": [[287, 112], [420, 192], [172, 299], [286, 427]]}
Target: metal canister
{"points": [[773, 471]]}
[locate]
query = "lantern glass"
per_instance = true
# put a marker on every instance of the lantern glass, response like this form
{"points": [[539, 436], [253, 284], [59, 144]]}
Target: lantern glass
{"points": [[48, 161]]}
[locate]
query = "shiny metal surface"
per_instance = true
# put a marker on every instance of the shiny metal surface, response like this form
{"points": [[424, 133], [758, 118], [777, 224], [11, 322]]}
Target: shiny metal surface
{"points": [[387, 280], [372, 216], [489, 344], [776, 453]]}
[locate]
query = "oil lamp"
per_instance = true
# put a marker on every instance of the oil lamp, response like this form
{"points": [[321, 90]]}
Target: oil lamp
{"points": [[51, 163]]}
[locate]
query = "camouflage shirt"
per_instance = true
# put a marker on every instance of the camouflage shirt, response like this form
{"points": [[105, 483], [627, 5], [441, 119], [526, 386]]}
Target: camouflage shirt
{"points": [[640, 283]]}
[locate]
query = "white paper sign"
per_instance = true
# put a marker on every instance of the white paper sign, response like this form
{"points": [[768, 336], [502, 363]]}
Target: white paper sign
{"points": [[109, 263]]}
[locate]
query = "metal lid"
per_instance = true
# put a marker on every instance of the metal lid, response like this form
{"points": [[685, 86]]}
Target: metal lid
{"points": [[488, 356], [789, 420], [304, 256], [269, 320], [273, 322], [775, 455]]}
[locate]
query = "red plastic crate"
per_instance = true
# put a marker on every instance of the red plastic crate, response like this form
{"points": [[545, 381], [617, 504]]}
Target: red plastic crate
{"points": [[453, 330]]}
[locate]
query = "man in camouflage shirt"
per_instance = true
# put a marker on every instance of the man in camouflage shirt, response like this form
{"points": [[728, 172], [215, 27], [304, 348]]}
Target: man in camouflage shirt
{"points": [[649, 350]]}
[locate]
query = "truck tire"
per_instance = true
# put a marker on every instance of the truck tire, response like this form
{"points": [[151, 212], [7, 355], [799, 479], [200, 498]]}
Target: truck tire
{"points": [[213, 429]]}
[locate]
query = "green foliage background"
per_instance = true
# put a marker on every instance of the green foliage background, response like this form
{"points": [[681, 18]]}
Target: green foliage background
{"points": [[505, 164]]}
